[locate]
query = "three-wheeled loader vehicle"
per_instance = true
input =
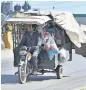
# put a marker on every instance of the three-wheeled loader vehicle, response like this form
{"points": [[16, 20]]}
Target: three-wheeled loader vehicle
{"points": [[46, 63]]}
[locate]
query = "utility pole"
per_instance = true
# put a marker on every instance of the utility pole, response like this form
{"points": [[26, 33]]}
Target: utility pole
{"points": [[53, 7]]}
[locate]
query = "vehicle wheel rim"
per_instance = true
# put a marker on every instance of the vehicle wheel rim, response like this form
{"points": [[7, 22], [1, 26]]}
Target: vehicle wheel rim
{"points": [[23, 74], [61, 72]]}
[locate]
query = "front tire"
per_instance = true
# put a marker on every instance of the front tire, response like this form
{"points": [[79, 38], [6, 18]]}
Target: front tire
{"points": [[22, 73], [59, 71]]}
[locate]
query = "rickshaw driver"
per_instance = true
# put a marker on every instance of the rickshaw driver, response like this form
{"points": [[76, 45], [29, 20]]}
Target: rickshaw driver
{"points": [[32, 38]]}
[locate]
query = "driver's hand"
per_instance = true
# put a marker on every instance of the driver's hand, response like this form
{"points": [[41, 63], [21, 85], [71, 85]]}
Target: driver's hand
{"points": [[41, 47]]}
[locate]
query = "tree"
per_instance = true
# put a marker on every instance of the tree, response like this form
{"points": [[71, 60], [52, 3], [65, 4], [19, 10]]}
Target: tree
{"points": [[2, 19], [6, 7], [26, 6], [17, 8]]}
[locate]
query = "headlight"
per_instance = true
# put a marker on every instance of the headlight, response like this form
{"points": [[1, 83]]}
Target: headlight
{"points": [[29, 56]]}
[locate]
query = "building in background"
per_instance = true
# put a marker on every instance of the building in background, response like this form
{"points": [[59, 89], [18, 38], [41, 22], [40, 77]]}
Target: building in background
{"points": [[6, 7]]}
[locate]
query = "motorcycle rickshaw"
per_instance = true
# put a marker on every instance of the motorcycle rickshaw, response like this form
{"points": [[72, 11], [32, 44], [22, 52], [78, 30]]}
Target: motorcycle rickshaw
{"points": [[46, 63]]}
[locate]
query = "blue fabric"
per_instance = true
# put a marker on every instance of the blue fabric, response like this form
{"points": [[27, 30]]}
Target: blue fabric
{"points": [[52, 52]]}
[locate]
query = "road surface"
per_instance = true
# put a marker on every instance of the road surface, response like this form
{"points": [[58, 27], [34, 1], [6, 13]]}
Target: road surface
{"points": [[74, 76]]}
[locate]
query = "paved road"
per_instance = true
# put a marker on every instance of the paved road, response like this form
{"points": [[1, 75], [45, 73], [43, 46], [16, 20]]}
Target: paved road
{"points": [[74, 76]]}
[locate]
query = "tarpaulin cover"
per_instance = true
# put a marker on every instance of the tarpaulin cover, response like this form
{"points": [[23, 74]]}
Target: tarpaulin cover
{"points": [[67, 21]]}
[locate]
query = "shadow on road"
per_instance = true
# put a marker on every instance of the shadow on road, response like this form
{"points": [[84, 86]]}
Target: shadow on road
{"points": [[9, 79], [40, 78], [13, 79]]}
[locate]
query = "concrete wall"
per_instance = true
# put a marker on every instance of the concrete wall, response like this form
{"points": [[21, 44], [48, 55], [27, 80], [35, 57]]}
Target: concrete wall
{"points": [[81, 20]]}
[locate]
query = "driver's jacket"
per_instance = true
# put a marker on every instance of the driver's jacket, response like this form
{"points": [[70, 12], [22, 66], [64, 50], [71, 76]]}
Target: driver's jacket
{"points": [[30, 39]]}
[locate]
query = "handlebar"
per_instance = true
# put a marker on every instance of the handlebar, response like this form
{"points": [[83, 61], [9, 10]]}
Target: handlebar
{"points": [[28, 48]]}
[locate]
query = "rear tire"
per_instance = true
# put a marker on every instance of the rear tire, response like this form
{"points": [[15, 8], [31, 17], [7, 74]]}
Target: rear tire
{"points": [[59, 71], [22, 74]]}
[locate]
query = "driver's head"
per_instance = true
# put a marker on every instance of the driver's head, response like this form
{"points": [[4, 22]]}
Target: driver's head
{"points": [[29, 27]]}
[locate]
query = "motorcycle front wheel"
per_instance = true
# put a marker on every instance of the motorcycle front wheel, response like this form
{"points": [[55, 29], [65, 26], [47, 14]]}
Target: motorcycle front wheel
{"points": [[22, 73]]}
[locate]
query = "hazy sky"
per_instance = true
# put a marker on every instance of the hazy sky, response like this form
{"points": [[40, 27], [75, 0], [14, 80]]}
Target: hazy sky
{"points": [[72, 6]]}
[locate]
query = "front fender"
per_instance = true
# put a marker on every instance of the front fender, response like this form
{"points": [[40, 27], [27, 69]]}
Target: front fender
{"points": [[21, 63]]}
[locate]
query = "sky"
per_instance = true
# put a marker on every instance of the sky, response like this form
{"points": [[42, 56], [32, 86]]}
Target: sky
{"points": [[78, 7]]}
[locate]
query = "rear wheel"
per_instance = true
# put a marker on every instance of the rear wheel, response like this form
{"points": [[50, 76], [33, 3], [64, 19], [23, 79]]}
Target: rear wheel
{"points": [[22, 74], [59, 71]]}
